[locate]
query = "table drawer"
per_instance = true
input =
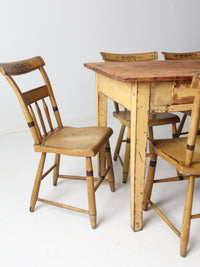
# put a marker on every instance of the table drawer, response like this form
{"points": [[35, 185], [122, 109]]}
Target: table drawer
{"points": [[180, 93]]}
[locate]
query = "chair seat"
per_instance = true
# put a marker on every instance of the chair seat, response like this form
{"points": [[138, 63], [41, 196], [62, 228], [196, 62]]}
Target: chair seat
{"points": [[73, 141], [154, 119], [173, 150]]}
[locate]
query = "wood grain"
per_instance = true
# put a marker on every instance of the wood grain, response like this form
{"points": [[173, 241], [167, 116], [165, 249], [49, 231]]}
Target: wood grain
{"points": [[147, 71]]}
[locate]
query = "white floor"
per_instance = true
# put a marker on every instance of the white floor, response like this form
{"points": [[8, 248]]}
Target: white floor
{"points": [[51, 236]]}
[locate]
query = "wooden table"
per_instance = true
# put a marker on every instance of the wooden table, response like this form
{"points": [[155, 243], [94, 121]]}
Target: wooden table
{"points": [[143, 88]]}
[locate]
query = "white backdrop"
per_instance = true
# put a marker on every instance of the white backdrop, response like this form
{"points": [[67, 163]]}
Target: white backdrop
{"points": [[68, 33]]}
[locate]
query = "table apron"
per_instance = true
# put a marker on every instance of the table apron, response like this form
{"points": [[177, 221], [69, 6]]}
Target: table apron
{"points": [[164, 96]]}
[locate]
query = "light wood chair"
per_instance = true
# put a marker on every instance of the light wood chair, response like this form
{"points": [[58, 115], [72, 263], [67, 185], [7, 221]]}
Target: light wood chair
{"points": [[124, 115], [181, 56], [59, 140], [184, 154]]}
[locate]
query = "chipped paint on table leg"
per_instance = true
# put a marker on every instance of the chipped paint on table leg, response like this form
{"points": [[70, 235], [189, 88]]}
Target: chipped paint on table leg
{"points": [[139, 129], [101, 119]]}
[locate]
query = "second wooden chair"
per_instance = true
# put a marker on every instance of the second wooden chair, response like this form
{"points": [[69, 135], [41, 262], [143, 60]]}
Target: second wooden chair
{"points": [[184, 154], [124, 115]]}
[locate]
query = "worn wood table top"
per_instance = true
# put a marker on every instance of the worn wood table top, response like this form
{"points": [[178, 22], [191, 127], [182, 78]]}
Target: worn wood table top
{"points": [[147, 71]]}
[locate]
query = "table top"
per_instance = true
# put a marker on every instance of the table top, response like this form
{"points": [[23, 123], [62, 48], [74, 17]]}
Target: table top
{"points": [[147, 71]]}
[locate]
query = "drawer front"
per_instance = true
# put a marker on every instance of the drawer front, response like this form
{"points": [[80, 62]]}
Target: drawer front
{"points": [[182, 93]]}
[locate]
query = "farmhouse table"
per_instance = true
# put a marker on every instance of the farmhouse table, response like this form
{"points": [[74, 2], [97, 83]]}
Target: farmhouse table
{"points": [[142, 88]]}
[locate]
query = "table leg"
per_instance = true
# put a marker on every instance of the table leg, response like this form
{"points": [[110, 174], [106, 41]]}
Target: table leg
{"points": [[101, 118], [140, 95]]}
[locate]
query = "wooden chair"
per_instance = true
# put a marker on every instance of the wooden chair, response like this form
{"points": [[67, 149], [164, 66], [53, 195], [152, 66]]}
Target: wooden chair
{"points": [[59, 140], [184, 154], [124, 115], [181, 56]]}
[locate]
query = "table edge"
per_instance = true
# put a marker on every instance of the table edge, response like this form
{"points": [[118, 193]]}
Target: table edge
{"points": [[146, 79]]}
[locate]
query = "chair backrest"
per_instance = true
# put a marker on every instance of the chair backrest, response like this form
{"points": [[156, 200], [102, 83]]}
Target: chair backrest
{"points": [[39, 121], [112, 57], [181, 56], [194, 129]]}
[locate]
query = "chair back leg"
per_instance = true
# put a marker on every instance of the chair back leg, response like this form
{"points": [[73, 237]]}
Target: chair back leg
{"points": [[119, 142], [38, 179], [149, 181], [181, 124]]}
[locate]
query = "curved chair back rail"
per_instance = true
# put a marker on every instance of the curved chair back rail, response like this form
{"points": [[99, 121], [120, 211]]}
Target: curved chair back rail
{"points": [[112, 57], [181, 56]]}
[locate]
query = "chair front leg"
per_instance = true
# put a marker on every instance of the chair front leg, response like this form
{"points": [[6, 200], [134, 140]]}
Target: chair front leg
{"points": [[36, 186], [149, 181], [111, 177], [185, 230], [91, 192], [56, 169]]}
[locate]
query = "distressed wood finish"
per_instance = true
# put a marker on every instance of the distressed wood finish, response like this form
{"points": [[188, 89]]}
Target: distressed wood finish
{"points": [[101, 116], [184, 155], [124, 115], [126, 79], [177, 89], [139, 112], [50, 136], [143, 71]]}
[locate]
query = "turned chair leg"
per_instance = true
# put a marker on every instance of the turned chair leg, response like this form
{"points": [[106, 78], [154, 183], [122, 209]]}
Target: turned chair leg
{"points": [[91, 192], [150, 138], [149, 181], [119, 142], [127, 157], [56, 169], [36, 186], [185, 230]]}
